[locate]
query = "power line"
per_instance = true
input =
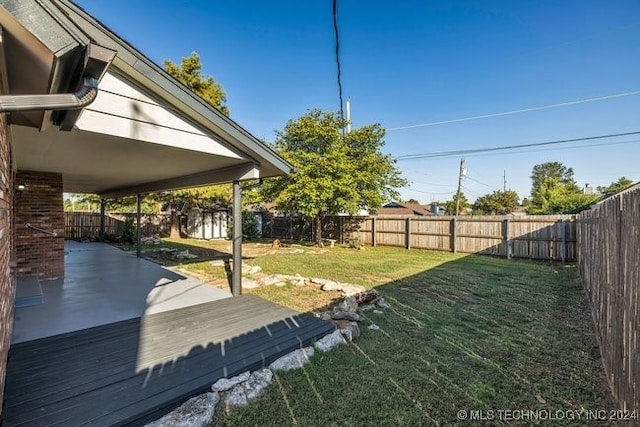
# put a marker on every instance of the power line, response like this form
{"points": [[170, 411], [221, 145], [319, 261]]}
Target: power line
{"points": [[573, 147], [508, 147], [428, 192], [523, 110], [482, 183], [335, 29]]}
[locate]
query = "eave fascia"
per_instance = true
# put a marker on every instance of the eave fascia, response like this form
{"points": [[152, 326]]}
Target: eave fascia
{"points": [[241, 172]]}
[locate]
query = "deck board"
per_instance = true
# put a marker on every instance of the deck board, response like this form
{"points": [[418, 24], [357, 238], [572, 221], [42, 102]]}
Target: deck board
{"points": [[137, 369]]}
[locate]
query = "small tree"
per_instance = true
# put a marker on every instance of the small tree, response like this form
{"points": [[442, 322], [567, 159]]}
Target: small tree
{"points": [[450, 205], [615, 187], [497, 203], [334, 173]]}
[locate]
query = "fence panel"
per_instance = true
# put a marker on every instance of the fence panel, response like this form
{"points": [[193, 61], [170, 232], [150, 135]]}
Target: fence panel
{"points": [[537, 237], [608, 258], [86, 225], [431, 233]]}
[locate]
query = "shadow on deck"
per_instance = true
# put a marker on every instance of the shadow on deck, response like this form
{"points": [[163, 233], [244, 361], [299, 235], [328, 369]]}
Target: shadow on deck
{"points": [[136, 370]]}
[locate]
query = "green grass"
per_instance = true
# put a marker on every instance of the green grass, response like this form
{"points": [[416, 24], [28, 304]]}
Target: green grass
{"points": [[463, 333]]}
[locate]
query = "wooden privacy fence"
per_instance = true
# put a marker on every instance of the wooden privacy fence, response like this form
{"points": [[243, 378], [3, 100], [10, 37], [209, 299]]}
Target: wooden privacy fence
{"points": [[609, 263], [535, 237], [86, 225]]}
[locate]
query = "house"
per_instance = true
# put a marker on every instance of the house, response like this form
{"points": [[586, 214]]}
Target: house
{"points": [[82, 111], [401, 208]]}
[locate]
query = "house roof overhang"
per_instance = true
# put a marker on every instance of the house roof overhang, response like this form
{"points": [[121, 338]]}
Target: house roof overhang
{"points": [[168, 138]]}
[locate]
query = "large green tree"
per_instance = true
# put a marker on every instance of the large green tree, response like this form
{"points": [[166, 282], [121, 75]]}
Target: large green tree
{"points": [[497, 203], [335, 172], [615, 187], [189, 73], [555, 171], [554, 191]]}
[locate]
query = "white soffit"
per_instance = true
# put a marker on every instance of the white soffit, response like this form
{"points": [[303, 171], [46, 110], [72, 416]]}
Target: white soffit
{"points": [[123, 111]]}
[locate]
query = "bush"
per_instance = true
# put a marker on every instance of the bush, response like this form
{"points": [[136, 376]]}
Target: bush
{"points": [[249, 226], [129, 231]]}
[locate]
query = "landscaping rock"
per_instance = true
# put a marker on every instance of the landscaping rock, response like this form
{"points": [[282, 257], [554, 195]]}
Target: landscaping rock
{"points": [[330, 341], [299, 280], [248, 391], [195, 412], [345, 315], [294, 360], [349, 290], [325, 315], [373, 327], [327, 285], [378, 311], [153, 240], [383, 304], [348, 304], [367, 307], [251, 270], [249, 283], [351, 331], [224, 384], [185, 255]]}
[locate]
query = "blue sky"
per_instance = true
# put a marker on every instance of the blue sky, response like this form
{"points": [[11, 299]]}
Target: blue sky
{"points": [[406, 63]]}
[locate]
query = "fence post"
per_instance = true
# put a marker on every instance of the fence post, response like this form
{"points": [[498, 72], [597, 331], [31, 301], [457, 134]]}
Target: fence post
{"points": [[373, 231], [506, 237], [408, 233], [454, 232], [341, 229], [563, 237]]}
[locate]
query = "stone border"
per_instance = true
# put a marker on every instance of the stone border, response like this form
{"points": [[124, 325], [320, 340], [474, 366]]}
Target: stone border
{"points": [[247, 387]]}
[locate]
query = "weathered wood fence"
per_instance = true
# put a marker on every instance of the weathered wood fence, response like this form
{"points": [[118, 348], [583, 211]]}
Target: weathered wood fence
{"points": [[86, 225], [534, 237], [609, 263]]}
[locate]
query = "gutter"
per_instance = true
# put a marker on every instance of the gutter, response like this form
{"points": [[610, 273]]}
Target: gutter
{"points": [[66, 101], [94, 65]]}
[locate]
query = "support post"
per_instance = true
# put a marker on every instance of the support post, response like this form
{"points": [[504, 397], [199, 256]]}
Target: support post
{"points": [[236, 273], [341, 230], [103, 204], [373, 231], [454, 234], [408, 233], [138, 221]]}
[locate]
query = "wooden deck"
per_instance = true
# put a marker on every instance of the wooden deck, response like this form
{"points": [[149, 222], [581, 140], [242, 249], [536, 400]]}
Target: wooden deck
{"points": [[135, 370]]}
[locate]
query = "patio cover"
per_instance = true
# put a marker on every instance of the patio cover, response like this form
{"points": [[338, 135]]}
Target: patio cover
{"points": [[145, 132]]}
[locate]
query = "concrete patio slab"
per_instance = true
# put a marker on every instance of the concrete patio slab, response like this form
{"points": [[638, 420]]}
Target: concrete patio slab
{"points": [[102, 285]]}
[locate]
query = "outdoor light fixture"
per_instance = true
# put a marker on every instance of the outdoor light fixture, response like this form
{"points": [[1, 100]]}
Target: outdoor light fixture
{"points": [[20, 187]]}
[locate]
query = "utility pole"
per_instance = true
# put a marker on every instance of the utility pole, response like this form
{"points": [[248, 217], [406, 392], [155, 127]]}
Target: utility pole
{"points": [[460, 174], [348, 116], [504, 179]]}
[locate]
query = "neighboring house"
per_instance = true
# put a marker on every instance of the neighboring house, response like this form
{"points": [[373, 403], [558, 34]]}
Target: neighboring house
{"points": [[400, 208], [141, 131]]}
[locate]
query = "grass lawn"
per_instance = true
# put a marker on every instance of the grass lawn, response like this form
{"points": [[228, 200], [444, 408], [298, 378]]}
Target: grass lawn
{"points": [[463, 333]]}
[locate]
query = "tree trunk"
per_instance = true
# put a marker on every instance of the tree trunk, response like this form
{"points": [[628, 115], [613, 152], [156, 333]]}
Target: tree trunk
{"points": [[175, 224], [317, 221]]}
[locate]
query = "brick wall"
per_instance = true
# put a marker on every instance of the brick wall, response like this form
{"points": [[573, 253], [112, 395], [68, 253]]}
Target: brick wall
{"points": [[6, 243], [41, 205]]}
